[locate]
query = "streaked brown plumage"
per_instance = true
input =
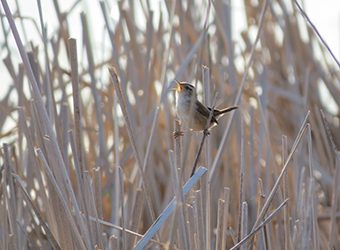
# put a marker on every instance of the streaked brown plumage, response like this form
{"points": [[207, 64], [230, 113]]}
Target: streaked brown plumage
{"points": [[185, 93]]}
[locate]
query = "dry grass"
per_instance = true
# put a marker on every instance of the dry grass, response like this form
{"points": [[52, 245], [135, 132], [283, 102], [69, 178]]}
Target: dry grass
{"points": [[88, 159]]}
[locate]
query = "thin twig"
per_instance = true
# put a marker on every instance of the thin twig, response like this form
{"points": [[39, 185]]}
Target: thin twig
{"points": [[205, 134], [109, 224], [317, 32]]}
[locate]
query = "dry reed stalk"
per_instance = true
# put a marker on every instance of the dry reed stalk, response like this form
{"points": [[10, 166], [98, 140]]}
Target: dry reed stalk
{"points": [[177, 175], [260, 226], [120, 95], [42, 114], [244, 222], [219, 223], [10, 201], [66, 241], [192, 236], [317, 32], [287, 239], [333, 227], [136, 216], [123, 243], [169, 209], [175, 158], [226, 198], [241, 188], [90, 157], [96, 96], [207, 101], [199, 218], [297, 141], [207, 212]]}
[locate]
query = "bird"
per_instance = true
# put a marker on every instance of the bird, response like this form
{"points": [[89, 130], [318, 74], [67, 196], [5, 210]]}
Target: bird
{"points": [[196, 119]]}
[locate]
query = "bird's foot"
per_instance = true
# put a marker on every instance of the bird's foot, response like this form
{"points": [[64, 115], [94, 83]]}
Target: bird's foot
{"points": [[206, 132], [178, 134]]}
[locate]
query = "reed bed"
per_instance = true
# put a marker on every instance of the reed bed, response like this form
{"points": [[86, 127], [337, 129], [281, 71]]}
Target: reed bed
{"points": [[88, 159]]}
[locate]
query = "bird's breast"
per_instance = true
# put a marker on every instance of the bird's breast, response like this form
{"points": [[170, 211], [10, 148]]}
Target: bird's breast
{"points": [[182, 109], [190, 118]]}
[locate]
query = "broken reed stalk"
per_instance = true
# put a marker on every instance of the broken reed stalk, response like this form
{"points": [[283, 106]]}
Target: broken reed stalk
{"points": [[79, 161], [43, 118], [241, 188], [219, 224], [35, 212], [278, 180], [335, 198], [335, 190], [48, 172], [169, 210], [121, 98], [226, 198], [180, 202], [260, 226], [175, 44], [9, 199]]}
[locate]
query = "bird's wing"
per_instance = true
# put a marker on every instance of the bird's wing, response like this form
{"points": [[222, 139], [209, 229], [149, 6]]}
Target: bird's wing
{"points": [[205, 111]]}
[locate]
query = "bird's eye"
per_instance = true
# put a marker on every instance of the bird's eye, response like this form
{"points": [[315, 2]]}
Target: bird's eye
{"points": [[187, 88]]}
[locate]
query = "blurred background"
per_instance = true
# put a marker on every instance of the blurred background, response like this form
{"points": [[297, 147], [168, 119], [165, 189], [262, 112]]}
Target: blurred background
{"points": [[89, 160]]}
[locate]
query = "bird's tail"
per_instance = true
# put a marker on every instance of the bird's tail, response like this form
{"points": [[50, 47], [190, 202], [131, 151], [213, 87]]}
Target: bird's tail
{"points": [[222, 111]]}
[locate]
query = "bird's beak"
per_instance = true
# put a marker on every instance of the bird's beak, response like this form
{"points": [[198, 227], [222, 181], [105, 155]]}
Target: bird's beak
{"points": [[178, 87]]}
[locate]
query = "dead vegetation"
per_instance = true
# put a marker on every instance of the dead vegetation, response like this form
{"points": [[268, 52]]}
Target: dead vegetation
{"points": [[87, 155]]}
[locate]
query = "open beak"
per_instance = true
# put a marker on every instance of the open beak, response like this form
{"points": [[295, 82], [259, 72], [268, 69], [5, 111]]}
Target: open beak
{"points": [[178, 87]]}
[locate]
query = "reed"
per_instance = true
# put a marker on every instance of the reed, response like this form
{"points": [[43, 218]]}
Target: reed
{"points": [[88, 159]]}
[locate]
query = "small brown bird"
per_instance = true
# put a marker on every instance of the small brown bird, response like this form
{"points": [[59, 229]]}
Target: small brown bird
{"points": [[197, 119]]}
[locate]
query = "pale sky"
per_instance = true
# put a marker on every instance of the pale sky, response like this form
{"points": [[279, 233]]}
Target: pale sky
{"points": [[326, 17], [324, 14]]}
